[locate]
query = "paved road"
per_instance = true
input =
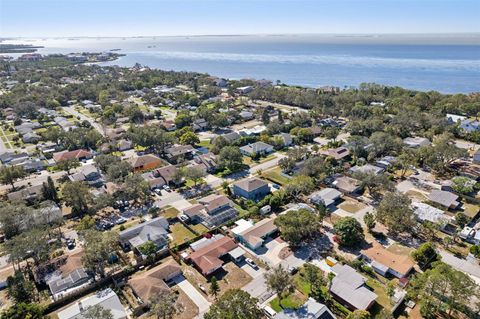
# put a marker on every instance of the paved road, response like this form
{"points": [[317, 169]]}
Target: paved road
{"points": [[470, 268], [3, 147], [72, 111], [266, 165], [198, 299]]}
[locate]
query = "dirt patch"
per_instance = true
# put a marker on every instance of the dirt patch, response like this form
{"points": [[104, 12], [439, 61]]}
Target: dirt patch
{"points": [[399, 249], [285, 253]]}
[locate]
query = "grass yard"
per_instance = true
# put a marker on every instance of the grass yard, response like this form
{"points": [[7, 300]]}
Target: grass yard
{"points": [[301, 284], [127, 225], [180, 234], [351, 206], [292, 301], [400, 249], [199, 228], [470, 210], [206, 144], [169, 212], [275, 176], [383, 299]]}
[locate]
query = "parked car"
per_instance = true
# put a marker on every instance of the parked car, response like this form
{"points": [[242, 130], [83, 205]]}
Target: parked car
{"points": [[157, 191], [71, 244], [202, 288], [167, 188], [251, 263]]}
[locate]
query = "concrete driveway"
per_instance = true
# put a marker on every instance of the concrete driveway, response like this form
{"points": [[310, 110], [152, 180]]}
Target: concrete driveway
{"points": [[198, 299], [173, 199]]}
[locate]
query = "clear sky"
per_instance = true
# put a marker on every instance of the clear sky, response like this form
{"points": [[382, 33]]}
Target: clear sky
{"points": [[44, 18]]}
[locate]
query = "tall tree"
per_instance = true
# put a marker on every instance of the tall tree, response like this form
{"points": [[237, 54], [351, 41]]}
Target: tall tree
{"points": [[68, 164], [279, 280], [97, 312], [298, 226], [77, 196], [23, 311], [231, 158], [98, 248], [163, 305], [49, 191], [10, 174], [214, 287], [234, 304], [349, 231], [396, 213]]}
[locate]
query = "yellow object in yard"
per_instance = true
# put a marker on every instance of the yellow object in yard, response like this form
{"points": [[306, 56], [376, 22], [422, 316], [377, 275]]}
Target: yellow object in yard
{"points": [[331, 261]]}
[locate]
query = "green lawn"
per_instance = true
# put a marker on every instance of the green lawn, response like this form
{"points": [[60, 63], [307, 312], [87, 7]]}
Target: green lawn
{"points": [[180, 234], [383, 299], [169, 212], [275, 176], [292, 301], [199, 228], [205, 143], [301, 284]]}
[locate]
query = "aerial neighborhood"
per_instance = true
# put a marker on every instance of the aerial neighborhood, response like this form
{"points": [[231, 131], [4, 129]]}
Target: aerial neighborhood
{"points": [[141, 193]]}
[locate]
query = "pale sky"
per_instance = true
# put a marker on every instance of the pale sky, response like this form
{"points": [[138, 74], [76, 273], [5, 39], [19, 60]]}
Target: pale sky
{"points": [[57, 18]]}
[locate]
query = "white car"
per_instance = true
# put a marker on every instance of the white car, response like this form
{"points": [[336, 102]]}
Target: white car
{"points": [[157, 191], [251, 263], [167, 188]]}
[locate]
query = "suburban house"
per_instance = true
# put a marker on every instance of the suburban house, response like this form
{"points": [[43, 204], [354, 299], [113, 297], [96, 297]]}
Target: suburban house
{"points": [[347, 185], [106, 299], [27, 194], [425, 212], [160, 176], [326, 196], [253, 237], [8, 157], [367, 168], [416, 142], [257, 148], [63, 284], [88, 174], [145, 162], [386, 262], [155, 280], [348, 287], [244, 89], [311, 309], [178, 153], [80, 155], [338, 153], [443, 198], [124, 145], [286, 139], [154, 230], [211, 211], [207, 162], [207, 258], [470, 125], [169, 125], [31, 138], [230, 137], [199, 125], [246, 115], [251, 188], [454, 118]]}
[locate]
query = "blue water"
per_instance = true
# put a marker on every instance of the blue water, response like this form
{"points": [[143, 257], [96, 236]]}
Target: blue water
{"points": [[446, 65]]}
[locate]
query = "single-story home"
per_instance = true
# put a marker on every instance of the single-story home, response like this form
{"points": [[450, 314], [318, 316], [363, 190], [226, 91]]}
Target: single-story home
{"points": [[443, 198], [207, 259], [106, 299], [251, 188], [425, 212], [311, 309], [254, 236], [348, 288], [160, 176], [347, 185], [257, 148], [177, 153], [157, 279], [326, 196], [145, 162], [416, 142], [211, 211], [65, 284], [386, 262], [367, 168], [154, 230], [286, 139], [338, 153], [80, 155]]}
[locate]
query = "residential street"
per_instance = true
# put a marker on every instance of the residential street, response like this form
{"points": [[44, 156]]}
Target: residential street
{"points": [[72, 111], [473, 269], [266, 165]]}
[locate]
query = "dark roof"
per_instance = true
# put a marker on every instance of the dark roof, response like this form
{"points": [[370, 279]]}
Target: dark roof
{"points": [[73, 279]]}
